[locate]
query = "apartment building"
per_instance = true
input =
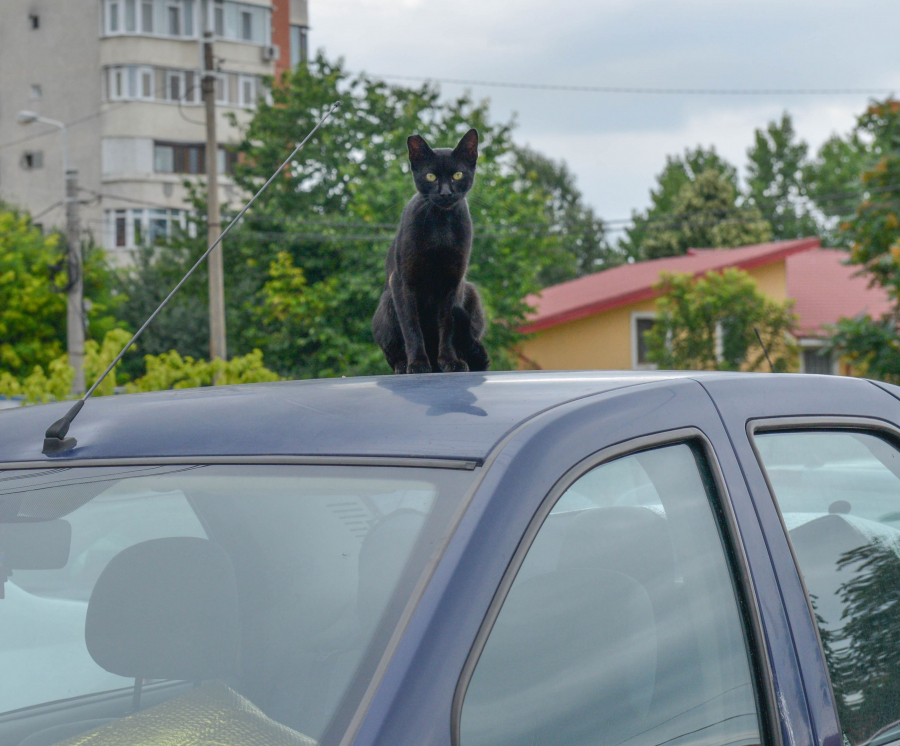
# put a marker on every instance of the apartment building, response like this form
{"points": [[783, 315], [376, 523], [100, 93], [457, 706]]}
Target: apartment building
{"points": [[124, 76]]}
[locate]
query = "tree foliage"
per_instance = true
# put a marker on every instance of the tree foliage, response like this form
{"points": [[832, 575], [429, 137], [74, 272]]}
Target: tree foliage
{"points": [[874, 235], [33, 299], [775, 180], [710, 323]]}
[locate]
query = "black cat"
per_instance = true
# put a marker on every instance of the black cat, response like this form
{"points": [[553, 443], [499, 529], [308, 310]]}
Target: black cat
{"points": [[429, 318]]}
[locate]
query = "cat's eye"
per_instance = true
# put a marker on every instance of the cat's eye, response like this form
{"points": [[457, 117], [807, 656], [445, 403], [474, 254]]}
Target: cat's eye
{"points": [[431, 177], [457, 176]]}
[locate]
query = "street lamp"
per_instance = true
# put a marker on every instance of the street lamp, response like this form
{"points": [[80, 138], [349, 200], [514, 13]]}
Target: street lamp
{"points": [[29, 117], [75, 299]]}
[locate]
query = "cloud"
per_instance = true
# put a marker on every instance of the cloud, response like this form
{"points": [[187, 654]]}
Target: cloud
{"points": [[615, 144]]}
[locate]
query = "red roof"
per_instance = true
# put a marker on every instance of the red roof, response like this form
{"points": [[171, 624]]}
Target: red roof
{"points": [[825, 290], [630, 283]]}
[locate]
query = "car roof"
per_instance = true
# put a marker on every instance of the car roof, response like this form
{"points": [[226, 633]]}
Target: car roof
{"points": [[447, 416]]}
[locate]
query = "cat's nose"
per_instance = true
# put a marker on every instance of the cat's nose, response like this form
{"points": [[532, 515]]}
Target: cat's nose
{"points": [[445, 190]]}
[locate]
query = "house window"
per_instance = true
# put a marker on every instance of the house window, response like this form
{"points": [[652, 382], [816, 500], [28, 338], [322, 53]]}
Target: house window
{"points": [[815, 360], [129, 229], [247, 86], [298, 45], [36, 92], [219, 18], [174, 86], [32, 159], [130, 16], [174, 16], [163, 158], [147, 82], [121, 229], [132, 82], [34, 20], [641, 323], [113, 17], [147, 17], [246, 26], [188, 17]]}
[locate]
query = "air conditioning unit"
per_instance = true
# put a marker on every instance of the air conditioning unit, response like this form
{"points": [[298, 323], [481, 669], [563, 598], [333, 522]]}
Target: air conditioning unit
{"points": [[271, 53]]}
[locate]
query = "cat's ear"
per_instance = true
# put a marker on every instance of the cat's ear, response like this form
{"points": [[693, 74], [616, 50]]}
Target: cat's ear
{"points": [[418, 149], [467, 150]]}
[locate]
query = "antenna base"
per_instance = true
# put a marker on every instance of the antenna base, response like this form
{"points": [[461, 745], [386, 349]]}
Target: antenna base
{"points": [[58, 445]]}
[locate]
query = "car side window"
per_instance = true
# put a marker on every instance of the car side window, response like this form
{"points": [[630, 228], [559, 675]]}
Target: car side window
{"points": [[622, 625], [839, 496]]}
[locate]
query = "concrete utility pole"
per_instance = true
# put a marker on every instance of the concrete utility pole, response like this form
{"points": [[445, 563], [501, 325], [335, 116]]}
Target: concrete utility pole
{"points": [[215, 263], [75, 299]]}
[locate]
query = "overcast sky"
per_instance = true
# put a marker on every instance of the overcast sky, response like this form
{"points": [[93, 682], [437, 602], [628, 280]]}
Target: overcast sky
{"points": [[616, 143]]}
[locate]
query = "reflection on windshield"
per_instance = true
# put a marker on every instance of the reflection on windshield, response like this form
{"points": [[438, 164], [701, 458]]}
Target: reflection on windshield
{"points": [[320, 560]]}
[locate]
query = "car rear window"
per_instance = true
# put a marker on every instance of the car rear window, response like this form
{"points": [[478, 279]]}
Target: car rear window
{"points": [[291, 580]]}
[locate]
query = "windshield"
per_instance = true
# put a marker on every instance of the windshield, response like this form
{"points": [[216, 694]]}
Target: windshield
{"points": [[274, 587]]}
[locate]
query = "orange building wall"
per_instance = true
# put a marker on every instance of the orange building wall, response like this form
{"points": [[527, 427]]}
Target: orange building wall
{"points": [[603, 341]]}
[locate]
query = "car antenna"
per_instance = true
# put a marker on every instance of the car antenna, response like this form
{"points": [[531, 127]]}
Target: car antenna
{"points": [[55, 440], [765, 351]]}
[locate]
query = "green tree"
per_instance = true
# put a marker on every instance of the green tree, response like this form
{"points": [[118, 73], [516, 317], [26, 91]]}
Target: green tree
{"points": [[583, 247], [874, 236], [678, 172], [710, 323], [777, 164], [32, 294], [704, 214]]}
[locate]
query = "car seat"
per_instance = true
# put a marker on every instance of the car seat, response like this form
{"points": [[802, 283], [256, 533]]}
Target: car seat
{"points": [[168, 609]]}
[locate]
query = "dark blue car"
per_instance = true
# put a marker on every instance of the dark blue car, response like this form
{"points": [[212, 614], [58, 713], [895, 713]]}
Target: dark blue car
{"points": [[522, 559]]}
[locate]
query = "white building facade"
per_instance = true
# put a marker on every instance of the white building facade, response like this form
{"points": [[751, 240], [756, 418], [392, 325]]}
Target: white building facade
{"points": [[124, 76]]}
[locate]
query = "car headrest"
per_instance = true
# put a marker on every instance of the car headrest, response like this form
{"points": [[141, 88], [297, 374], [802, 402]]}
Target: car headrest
{"points": [[165, 609], [631, 540]]}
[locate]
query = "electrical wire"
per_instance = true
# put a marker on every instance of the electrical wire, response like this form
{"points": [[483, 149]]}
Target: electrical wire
{"points": [[646, 90]]}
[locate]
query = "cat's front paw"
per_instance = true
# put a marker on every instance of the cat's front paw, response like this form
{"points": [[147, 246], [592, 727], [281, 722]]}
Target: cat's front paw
{"points": [[419, 366], [454, 366]]}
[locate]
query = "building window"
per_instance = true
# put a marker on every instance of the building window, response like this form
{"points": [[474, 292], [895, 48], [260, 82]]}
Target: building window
{"points": [[174, 87], [147, 17], [246, 26], [219, 18], [641, 323], [130, 16], [174, 18], [188, 158], [247, 91], [34, 20], [816, 360], [163, 158], [147, 82], [32, 159], [188, 17], [113, 17], [35, 92], [129, 229], [298, 45]]}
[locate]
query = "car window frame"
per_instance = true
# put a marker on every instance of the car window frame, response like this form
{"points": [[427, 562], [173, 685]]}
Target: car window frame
{"points": [[808, 423], [735, 556]]}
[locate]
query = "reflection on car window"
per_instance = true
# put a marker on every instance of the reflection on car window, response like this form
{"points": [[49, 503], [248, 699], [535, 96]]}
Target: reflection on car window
{"points": [[839, 494], [289, 578], [621, 626]]}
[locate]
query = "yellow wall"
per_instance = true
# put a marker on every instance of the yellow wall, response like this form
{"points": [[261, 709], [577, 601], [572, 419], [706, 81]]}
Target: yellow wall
{"points": [[603, 341]]}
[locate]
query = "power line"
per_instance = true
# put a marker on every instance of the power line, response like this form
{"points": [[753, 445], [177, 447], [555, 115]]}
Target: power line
{"points": [[648, 91]]}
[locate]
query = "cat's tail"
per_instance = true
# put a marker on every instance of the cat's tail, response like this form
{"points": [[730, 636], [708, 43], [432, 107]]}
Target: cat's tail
{"points": [[467, 347]]}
